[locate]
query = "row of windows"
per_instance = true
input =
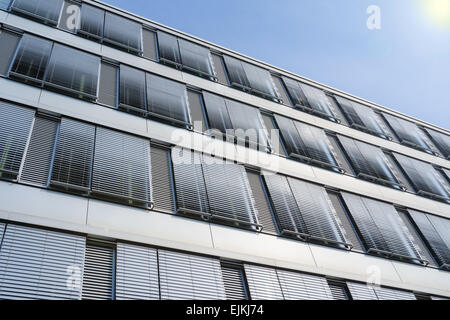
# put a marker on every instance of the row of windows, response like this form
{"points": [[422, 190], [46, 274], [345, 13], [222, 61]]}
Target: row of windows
{"points": [[89, 160], [44, 63], [99, 25], [67, 266]]}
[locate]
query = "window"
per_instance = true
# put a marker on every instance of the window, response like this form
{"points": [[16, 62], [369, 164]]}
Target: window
{"points": [[305, 211], [442, 141], [72, 164], [436, 232], [369, 162], [35, 263], [136, 273], [310, 99], [15, 123], [9, 41], [98, 272], [167, 100], [361, 291], [307, 143], [424, 178], [31, 59], [56, 66], [122, 168], [362, 117], [381, 229], [213, 189], [46, 11], [185, 55], [116, 31], [132, 94], [73, 71], [234, 281], [409, 133], [263, 283], [189, 277], [250, 78], [162, 189], [240, 121], [339, 290], [108, 87]]}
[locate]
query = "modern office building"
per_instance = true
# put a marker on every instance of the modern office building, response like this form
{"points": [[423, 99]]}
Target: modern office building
{"points": [[139, 162]]}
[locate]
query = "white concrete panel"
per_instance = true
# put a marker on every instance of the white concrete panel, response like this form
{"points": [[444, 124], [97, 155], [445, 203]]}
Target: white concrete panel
{"points": [[53, 34], [424, 279], [19, 92], [92, 112], [42, 207], [261, 248], [353, 265], [145, 226]]}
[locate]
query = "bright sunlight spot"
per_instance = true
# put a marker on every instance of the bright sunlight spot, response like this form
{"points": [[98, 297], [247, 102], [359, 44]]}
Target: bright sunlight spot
{"points": [[438, 11]]}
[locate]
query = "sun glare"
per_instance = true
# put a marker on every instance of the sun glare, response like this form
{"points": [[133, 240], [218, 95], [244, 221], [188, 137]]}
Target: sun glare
{"points": [[438, 11]]}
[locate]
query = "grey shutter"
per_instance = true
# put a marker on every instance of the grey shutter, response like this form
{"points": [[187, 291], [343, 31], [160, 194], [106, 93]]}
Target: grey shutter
{"points": [[98, 272], [263, 283], [40, 264], [136, 273], [162, 180], [122, 167], [9, 43], [274, 136], [361, 291], [189, 183], [393, 294], [381, 228], [233, 280], [39, 153], [72, 165], [107, 93], [424, 177], [299, 286], [280, 88], [149, 44], [339, 154], [350, 233], [338, 290], [368, 161], [15, 126], [229, 193], [219, 68], [318, 214], [442, 141], [189, 277], [265, 216], [436, 231], [196, 108]]}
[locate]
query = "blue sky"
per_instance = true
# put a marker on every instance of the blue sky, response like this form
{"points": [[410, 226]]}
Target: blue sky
{"points": [[404, 66]]}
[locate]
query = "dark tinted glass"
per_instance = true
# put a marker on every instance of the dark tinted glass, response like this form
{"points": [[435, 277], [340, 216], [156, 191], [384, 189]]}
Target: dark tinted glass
{"points": [[195, 57], [441, 140], [32, 58], [74, 70], [295, 92], [92, 21], [47, 10], [260, 80], [168, 48], [123, 33], [217, 113], [167, 99], [317, 100], [236, 72], [132, 88]]}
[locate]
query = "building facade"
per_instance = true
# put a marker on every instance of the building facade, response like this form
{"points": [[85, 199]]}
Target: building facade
{"points": [[139, 162]]}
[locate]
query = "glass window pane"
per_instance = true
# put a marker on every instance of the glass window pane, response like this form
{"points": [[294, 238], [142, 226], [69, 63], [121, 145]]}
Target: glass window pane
{"points": [[195, 57], [441, 140], [216, 112], [92, 21], [317, 100], [236, 72], [32, 58], [123, 33], [167, 99], [47, 10], [168, 48], [132, 88], [260, 80], [74, 70], [295, 92]]}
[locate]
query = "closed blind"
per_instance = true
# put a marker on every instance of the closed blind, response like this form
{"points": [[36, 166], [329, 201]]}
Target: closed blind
{"points": [[122, 167], [98, 272], [39, 153], [263, 283], [162, 180], [298, 286], [233, 280], [72, 165], [15, 125], [40, 264], [136, 273], [365, 292], [188, 277]]}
